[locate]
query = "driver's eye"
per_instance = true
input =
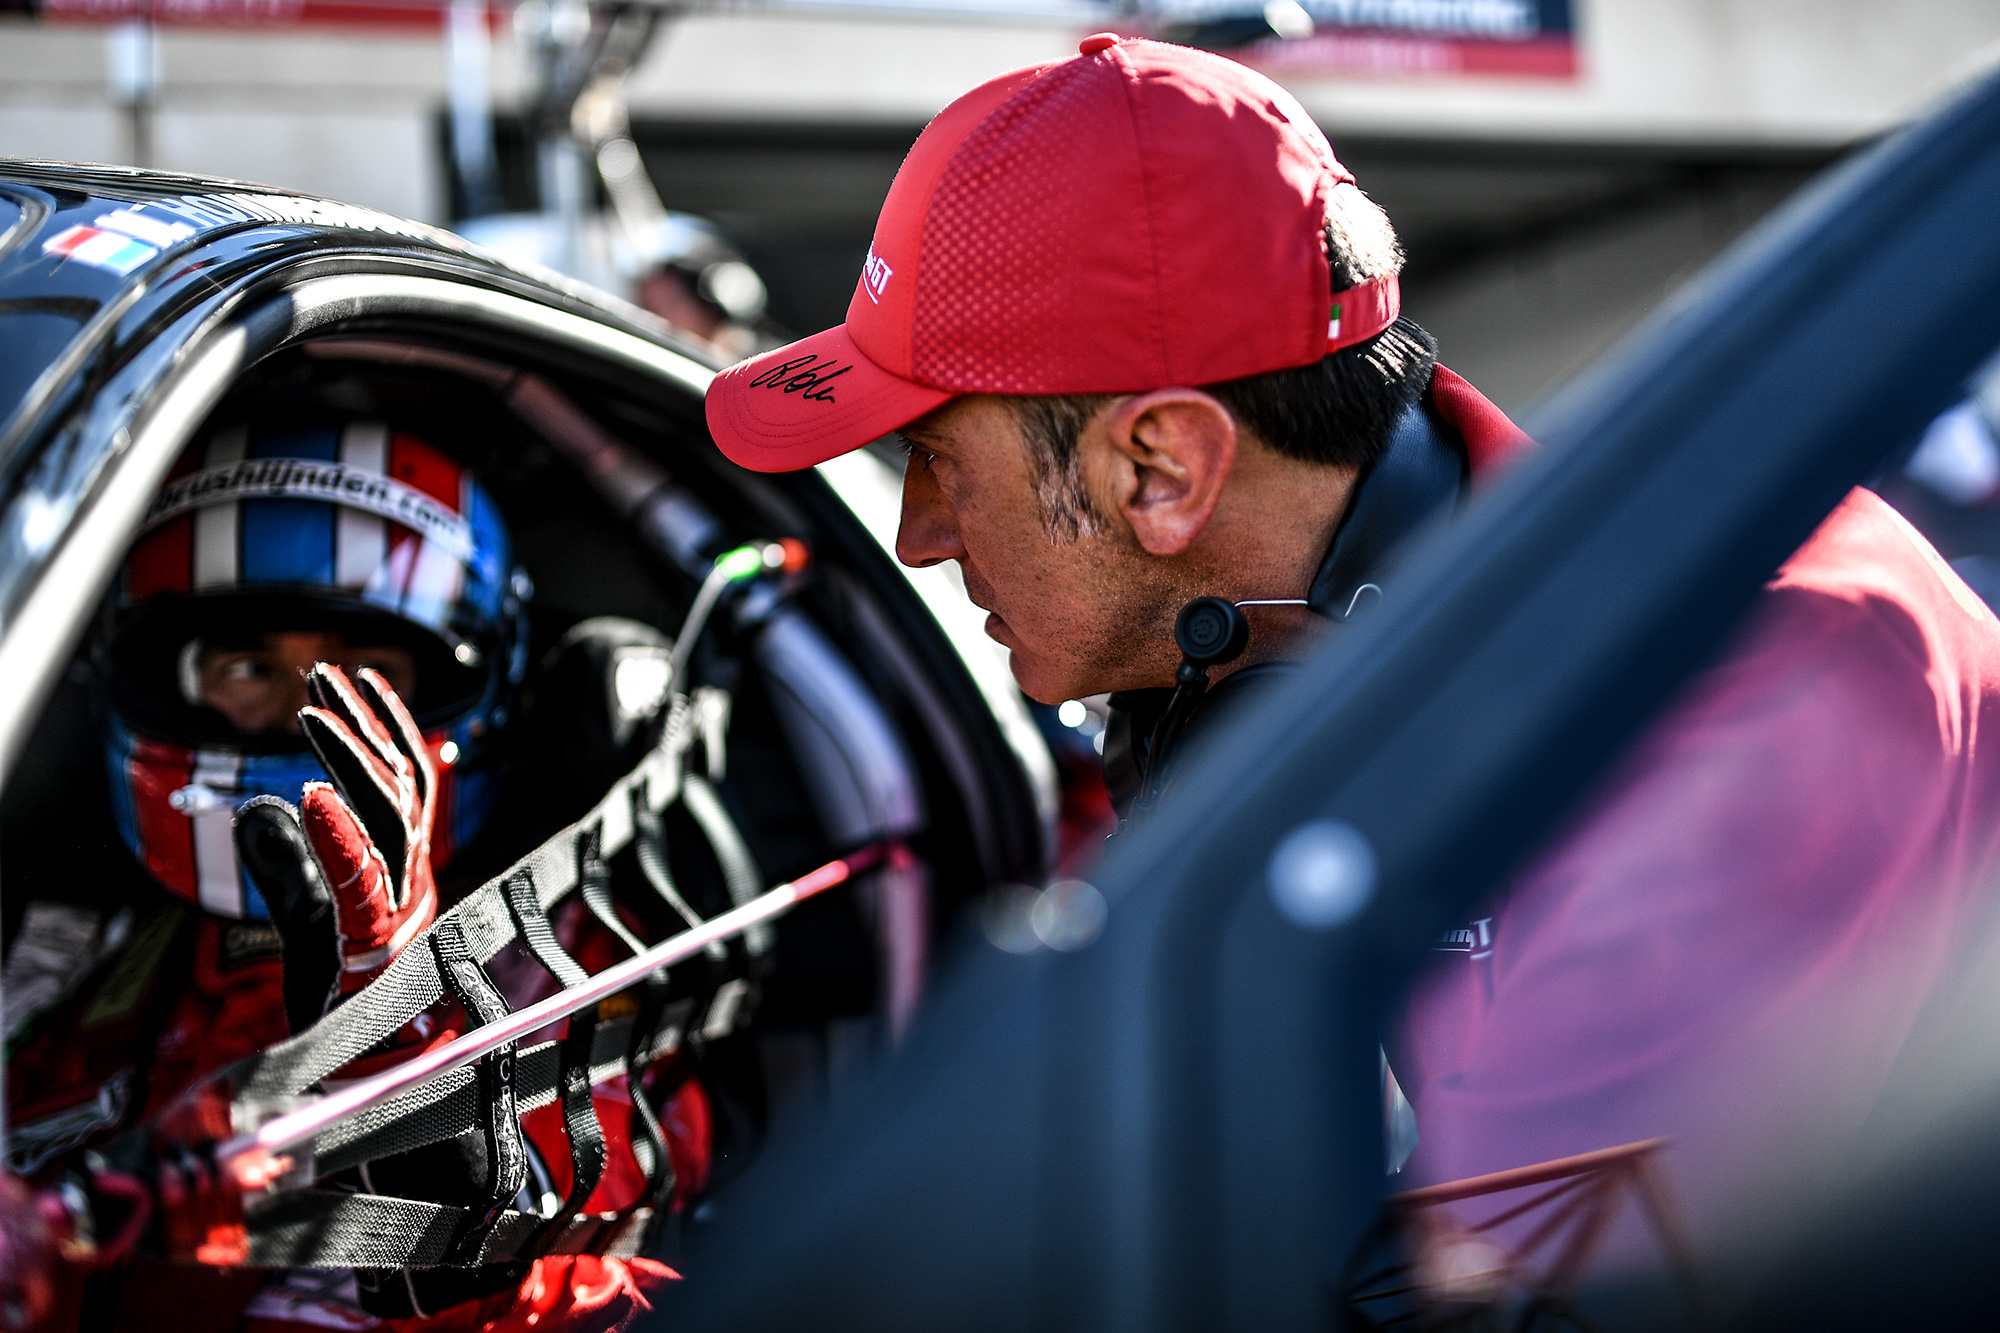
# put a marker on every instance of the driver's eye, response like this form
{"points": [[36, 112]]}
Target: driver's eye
{"points": [[243, 669]]}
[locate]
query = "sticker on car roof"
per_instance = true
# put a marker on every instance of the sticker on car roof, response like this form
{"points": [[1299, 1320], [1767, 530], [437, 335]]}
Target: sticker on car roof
{"points": [[120, 240], [139, 227], [100, 248]]}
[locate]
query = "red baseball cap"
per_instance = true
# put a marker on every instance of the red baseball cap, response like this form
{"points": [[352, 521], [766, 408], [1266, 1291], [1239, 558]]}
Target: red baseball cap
{"points": [[1137, 216]]}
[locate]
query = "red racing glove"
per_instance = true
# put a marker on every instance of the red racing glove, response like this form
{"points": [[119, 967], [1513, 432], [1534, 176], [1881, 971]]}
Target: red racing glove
{"points": [[373, 837], [347, 874]]}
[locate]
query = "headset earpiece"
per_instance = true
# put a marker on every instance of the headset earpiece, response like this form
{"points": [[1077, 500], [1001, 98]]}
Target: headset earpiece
{"points": [[1210, 632]]}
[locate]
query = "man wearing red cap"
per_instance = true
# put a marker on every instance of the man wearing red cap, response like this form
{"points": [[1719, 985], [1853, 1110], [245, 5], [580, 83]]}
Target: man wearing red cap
{"points": [[1140, 330], [1146, 265]]}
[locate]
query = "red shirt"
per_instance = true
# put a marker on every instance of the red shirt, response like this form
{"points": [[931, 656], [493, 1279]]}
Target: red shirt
{"points": [[1734, 943]]}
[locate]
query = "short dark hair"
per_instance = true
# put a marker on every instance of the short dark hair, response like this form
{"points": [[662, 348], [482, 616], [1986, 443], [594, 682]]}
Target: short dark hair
{"points": [[1340, 410]]}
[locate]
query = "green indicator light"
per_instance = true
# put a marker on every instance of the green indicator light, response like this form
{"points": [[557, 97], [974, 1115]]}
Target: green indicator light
{"points": [[742, 563]]}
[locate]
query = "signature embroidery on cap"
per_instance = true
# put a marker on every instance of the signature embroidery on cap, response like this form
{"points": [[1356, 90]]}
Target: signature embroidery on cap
{"points": [[875, 275], [806, 375]]}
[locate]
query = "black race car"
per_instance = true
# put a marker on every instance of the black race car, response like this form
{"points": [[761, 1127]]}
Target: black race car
{"points": [[138, 308]]}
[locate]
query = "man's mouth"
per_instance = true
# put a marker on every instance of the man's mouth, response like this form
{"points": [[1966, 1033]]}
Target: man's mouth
{"points": [[976, 592], [980, 594]]}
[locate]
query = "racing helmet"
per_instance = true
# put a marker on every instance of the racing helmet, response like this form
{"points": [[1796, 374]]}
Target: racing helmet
{"points": [[352, 528]]}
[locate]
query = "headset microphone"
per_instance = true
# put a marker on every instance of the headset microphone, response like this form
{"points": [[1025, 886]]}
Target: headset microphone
{"points": [[1210, 632]]}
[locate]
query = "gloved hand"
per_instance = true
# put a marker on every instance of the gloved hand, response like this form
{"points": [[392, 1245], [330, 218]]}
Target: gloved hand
{"points": [[347, 874]]}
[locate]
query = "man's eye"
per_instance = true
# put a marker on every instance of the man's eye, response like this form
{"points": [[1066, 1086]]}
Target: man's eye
{"points": [[246, 668]]}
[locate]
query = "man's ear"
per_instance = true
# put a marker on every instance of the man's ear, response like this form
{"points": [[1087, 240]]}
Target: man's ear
{"points": [[1169, 453]]}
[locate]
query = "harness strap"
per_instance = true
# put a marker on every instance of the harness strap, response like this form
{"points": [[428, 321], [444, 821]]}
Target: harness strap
{"points": [[506, 1154], [411, 983], [579, 1110], [657, 1162], [328, 1228], [732, 853], [449, 1105], [733, 1000], [649, 833], [316, 1228], [594, 881]]}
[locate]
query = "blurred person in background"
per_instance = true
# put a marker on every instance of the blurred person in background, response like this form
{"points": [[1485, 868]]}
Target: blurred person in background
{"points": [[680, 268], [696, 281]]}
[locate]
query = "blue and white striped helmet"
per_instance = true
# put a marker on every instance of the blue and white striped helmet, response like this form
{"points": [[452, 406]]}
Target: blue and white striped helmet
{"points": [[348, 526]]}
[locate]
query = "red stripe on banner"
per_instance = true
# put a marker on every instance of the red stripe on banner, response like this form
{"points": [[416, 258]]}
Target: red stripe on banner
{"points": [[162, 562], [415, 463], [1543, 58], [1396, 55], [399, 564], [156, 772]]}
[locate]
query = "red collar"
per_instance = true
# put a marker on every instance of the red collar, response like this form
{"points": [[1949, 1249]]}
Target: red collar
{"points": [[1491, 440]]}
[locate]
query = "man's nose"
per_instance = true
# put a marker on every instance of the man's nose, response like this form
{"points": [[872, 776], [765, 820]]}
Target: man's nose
{"points": [[928, 534]]}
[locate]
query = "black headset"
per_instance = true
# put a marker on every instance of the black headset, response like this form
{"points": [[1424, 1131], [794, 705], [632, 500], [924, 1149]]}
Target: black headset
{"points": [[1209, 632]]}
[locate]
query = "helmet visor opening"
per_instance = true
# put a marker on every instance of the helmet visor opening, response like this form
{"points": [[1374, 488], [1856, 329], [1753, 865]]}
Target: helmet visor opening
{"points": [[227, 669]]}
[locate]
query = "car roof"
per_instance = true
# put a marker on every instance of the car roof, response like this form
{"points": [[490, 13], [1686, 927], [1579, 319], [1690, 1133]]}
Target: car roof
{"points": [[87, 237]]}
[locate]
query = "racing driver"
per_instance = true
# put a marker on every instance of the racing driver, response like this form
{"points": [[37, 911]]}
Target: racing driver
{"points": [[1140, 331], [275, 545]]}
